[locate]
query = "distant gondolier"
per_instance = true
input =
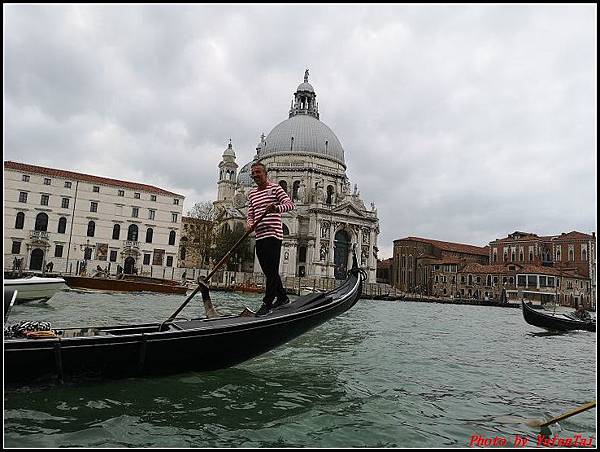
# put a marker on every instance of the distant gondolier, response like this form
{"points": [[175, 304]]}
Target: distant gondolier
{"points": [[271, 198], [581, 313]]}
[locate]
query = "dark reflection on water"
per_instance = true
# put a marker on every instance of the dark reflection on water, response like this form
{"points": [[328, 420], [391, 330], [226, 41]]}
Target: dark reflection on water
{"points": [[385, 374]]}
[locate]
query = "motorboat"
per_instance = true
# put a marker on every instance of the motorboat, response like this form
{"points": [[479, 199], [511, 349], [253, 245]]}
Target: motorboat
{"points": [[34, 287]]}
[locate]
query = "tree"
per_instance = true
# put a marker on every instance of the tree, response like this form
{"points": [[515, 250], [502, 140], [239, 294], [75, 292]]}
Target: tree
{"points": [[224, 241], [204, 210]]}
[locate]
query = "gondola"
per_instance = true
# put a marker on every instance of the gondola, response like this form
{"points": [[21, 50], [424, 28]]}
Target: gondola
{"points": [[555, 322], [174, 346]]}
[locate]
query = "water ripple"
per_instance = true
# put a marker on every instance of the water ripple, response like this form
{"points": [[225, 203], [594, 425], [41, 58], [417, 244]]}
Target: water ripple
{"points": [[384, 374]]}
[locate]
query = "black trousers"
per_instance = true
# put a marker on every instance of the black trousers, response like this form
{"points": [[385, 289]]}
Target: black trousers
{"points": [[268, 251]]}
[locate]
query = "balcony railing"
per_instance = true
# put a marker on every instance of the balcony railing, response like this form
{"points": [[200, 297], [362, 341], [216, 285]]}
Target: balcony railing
{"points": [[39, 235], [131, 243]]}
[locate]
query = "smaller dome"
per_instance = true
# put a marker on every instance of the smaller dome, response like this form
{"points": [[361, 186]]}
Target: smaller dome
{"points": [[245, 176], [305, 87], [229, 151]]}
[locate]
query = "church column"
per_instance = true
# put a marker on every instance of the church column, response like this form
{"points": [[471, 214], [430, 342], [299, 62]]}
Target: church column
{"points": [[317, 253], [331, 256]]}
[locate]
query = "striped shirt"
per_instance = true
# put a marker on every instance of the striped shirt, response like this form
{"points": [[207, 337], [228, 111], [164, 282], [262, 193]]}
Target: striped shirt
{"points": [[270, 225]]}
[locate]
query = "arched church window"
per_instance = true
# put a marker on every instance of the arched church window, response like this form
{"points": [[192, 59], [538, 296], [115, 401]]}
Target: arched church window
{"points": [[329, 194], [286, 230], [283, 184], [295, 189]]}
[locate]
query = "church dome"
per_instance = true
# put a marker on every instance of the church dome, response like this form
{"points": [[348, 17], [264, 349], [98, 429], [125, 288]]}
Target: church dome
{"points": [[303, 134], [305, 87]]}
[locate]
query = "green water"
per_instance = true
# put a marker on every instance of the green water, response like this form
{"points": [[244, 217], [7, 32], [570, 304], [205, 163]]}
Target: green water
{"points": [[384, 374]]}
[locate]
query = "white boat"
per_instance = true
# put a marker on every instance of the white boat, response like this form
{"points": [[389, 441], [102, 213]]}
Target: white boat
{"points": [[34, 287]]}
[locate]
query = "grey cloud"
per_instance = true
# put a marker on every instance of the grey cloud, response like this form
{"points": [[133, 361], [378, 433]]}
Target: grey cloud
{"points": [[462, 123]]}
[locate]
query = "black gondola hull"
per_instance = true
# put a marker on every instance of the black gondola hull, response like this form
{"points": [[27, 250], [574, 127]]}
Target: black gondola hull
{"points": [[196, 345], [554, 323]]}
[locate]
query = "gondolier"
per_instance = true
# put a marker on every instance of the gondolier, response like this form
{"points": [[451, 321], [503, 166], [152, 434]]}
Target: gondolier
{"points": [[271, 198]]}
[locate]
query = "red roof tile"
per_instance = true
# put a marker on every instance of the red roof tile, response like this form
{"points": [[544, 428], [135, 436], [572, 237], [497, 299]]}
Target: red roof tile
{"points": [[86, 178], [454, 247], [573, 235]]}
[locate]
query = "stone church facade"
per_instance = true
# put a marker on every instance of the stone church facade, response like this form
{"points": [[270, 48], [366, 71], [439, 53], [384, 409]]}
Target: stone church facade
{"points": [[305, 157]]}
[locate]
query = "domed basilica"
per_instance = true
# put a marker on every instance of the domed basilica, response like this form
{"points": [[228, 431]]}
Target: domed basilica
{"points": [[305, 157]]}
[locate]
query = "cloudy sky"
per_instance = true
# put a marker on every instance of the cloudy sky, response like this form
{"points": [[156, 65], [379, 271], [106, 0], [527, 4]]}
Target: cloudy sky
{"points": [[461, 123]]}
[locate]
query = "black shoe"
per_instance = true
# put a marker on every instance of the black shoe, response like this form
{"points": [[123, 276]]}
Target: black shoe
{"points": [[264, 310], [278, 303]]}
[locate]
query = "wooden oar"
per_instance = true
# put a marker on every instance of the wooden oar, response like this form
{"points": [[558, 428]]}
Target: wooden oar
{"points": [[573, 412], [203, 285]]}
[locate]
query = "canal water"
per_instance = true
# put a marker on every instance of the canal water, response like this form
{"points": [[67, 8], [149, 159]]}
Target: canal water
{"points": [[384, 374]]}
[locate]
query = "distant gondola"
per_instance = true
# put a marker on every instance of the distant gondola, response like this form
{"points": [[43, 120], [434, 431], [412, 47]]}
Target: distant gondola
{"points": [[175, 346], [556, 322]]}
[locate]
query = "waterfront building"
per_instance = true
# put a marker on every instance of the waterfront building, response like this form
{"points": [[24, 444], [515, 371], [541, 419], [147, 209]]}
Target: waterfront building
{"points": [[73, 219], [572, 253], [306, 159], [523, 265], [414, 258], [511, 282], [384, 270]]}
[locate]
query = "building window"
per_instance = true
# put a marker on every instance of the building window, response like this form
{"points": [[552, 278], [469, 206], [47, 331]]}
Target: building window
{"points": [[584, 255], [47, 181], [113, 256], [174, 217], [20, 220], [68, 184], [151, 214], [136, 195], [132, 233], [58, 251], [93, 206], [23, 196], [135, 212], [152, 197], [65, 203], [91, 229], [25, 178], [41, 222], [182, 253], [149, 234], [176, 201], [121, 193], [87, 254], [62, 225], [169, 261], [146, 259], [302, 254], [172, 238], [116, 231], [44, 200], [96, 189], [16, 247]]}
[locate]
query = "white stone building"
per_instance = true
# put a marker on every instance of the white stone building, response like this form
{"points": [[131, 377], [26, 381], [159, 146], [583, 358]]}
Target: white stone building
{"points": [[305, 157], [70, 218]]}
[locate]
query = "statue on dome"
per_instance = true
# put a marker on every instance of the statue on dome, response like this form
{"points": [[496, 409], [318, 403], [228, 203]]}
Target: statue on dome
{"points": [[306, 76]]}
